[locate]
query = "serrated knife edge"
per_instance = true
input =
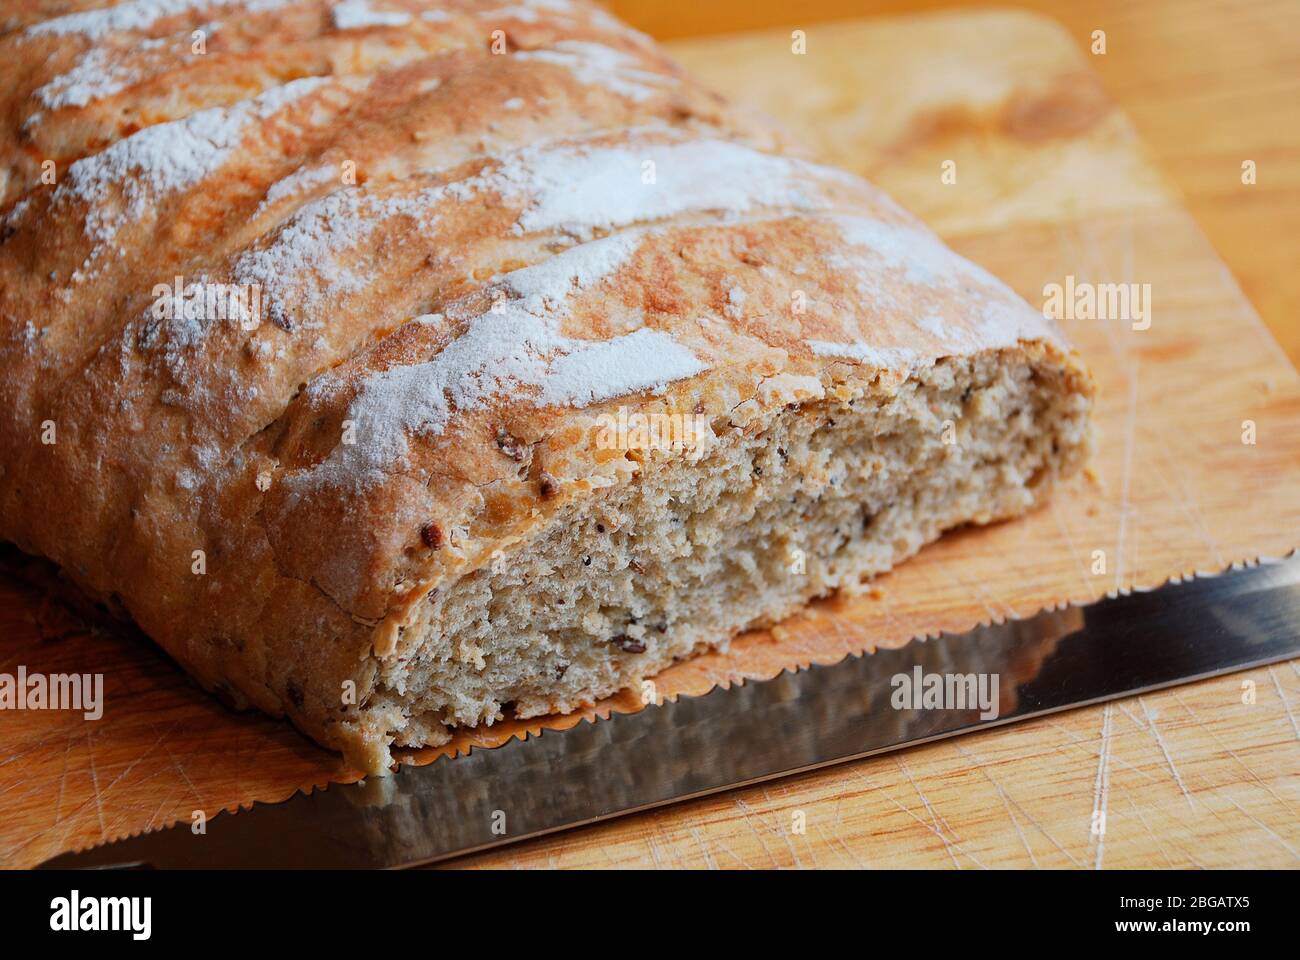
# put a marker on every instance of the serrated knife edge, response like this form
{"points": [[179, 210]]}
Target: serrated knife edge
{"points": [[1279, 577]]}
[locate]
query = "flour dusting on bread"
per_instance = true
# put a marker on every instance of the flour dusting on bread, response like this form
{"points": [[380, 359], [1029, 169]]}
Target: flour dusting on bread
{"points": [[137, 15], [512, 349], [167, 158]]}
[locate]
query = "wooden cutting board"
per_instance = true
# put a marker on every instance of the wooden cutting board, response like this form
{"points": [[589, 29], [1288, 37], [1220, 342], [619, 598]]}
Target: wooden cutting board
{"points": [[1050, 183]]}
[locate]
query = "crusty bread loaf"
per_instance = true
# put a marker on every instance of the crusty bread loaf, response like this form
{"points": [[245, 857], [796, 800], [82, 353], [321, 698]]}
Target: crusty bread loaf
{"points": [[396, 363]]}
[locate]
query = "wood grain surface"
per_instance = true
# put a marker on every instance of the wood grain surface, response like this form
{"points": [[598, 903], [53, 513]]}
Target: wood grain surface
{"points": [[1050, 183], [1207, 84]]}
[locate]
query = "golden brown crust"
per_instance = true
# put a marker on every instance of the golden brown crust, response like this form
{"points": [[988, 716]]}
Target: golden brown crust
{"points": [[360, 169]]}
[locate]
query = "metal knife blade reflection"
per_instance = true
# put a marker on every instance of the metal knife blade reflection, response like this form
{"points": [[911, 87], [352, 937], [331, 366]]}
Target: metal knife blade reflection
{"points": [[1054, 661]]}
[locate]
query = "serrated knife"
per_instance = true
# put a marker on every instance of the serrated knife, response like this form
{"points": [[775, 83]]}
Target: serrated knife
{"points": [[1059, 659]]}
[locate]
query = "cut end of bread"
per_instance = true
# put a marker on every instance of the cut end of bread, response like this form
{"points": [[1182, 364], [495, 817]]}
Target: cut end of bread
{"points": [[807, 499]]}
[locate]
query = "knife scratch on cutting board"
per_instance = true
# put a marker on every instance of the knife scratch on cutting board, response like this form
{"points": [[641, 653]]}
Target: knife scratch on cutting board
{"points": [[949, 845], [983, 768], [1285, 704], [1154, 730], [1101, 793]]}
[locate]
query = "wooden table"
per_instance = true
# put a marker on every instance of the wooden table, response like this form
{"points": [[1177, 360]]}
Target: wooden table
{"points": [[1207, 83], [1202, 775]]}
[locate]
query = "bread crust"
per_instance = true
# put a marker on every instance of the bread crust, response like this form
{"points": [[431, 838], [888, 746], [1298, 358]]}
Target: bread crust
{"points": [[537, 239]]}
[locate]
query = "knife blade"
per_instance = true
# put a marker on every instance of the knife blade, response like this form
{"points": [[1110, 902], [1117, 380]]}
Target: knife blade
{"points": [[1059, 659]]}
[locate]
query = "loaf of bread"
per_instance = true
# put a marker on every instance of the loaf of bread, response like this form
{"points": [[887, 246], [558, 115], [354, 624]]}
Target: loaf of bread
{"points": [[395, 364]]}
